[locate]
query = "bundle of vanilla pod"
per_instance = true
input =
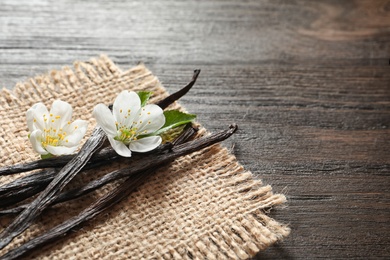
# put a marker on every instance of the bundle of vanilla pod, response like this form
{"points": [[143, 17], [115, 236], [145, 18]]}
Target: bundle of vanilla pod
{"points": [[128, 131]]}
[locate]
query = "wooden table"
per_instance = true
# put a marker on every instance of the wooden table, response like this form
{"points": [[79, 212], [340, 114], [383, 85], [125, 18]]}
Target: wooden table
{"points": [[308, 83]]}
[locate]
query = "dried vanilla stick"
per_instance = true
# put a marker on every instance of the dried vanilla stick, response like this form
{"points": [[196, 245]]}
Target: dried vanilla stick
{"points": [[116, 195]]}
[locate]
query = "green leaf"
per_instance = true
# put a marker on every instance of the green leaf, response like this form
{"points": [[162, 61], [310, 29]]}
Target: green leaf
{"points": [[174, 118], [46, 156], [144, 96]]}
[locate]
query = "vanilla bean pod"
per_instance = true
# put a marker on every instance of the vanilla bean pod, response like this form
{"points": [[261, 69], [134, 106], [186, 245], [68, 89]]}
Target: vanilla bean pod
{"points": [[60, 161], [38, 164], [55, 162], [28, 186], [14, 197], [20, 195], [187, 133], [114, 196], [175, 96], [28, 180], [25, 187], [38, 180]]}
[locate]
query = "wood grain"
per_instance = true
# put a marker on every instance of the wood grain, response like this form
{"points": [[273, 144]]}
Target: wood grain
{"points": [[308, 83]]}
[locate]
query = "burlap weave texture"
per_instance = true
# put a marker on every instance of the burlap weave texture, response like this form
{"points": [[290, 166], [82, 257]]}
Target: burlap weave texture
{"points": [[204, 205]]}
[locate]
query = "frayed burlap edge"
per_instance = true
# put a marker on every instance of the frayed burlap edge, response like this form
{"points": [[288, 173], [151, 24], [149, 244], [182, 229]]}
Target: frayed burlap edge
{"points": [[204, 205]]}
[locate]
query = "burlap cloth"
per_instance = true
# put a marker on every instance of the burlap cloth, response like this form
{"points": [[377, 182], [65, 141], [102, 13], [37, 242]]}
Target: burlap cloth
{"points": [[204, 205]]}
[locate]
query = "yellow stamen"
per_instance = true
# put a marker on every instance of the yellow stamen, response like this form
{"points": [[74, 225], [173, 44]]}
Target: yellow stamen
{"points": [[50, 141]]}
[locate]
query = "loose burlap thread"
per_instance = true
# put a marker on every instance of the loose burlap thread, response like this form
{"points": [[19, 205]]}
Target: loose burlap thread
{"points": [[203, 205]]}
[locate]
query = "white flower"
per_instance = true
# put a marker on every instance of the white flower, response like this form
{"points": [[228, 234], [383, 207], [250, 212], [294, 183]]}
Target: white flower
{"points": [[52, 132], [128, 122]]}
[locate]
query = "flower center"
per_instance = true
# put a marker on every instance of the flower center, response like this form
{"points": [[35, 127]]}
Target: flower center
{"points": [[52, 136], [49, 140], [126, 135]]}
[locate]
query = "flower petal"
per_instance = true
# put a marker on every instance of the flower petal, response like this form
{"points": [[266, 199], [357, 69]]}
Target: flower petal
{"points": [[30, 120], [126, 107], [152, 118], [145, 144], [61, 113], [105, 119], [75, 132], [39, 111], [60, 150], [119, 147], [76, 125], [35, 139]]}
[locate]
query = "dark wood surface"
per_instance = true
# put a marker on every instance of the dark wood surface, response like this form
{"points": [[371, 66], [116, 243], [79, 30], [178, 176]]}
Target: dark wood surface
{"points": [[308, 83]]}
